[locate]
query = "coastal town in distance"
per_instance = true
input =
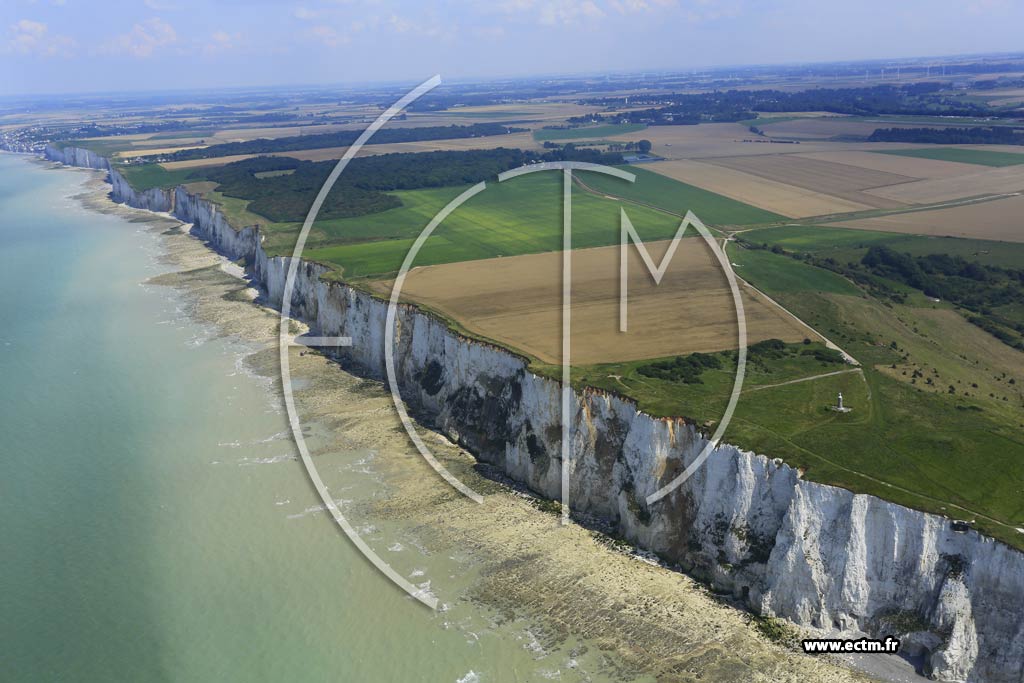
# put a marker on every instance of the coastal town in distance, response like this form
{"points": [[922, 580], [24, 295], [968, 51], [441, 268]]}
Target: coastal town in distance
{"points": [[675, 373]]}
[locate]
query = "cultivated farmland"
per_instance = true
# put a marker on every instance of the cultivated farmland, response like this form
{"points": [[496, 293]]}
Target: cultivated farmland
{"points": [[823, 177], [902, 165], [514, 140], [788, 200], [991, 220], [982, 157], [517, 301], [992, 181]]}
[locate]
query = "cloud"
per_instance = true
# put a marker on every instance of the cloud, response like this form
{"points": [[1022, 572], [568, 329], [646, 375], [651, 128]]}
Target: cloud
{"points": [[328, 36], [161, 5], [561, 12], [570, 12], [987, 7], [221, 41], [143, 39], [29, 37], [489, 32]]}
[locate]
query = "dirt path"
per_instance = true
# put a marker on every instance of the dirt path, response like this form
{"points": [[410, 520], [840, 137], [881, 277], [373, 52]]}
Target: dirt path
{"points": [[828, 342], [802, 379]]}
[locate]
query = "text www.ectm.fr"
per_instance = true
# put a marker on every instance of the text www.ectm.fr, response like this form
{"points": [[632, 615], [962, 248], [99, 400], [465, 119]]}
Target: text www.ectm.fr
{"points": [[889, 645]]}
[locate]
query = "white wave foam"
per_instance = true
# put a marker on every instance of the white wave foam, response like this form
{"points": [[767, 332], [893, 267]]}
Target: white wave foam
{"points": [[273, 460]]}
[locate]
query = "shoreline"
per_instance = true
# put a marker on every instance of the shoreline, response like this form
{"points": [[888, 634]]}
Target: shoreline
{"points": [[527, 562], [816, 504]]}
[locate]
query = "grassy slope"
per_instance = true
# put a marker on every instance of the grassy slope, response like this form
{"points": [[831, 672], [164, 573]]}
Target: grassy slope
{"points": [[912, 443], [787, 275], [845, 244], [964, 449], [588, 133], [983, 157], [678, 198]]}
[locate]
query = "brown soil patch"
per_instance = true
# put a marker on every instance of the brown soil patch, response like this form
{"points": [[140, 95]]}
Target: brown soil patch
{"points": [[891, 163], [517, 301], [987, 182], [829, 178], [515, 140], [994, 220], [788, 200]]}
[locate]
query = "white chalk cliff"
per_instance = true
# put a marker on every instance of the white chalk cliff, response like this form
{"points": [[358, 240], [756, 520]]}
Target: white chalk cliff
{"points": [[818, 555]]}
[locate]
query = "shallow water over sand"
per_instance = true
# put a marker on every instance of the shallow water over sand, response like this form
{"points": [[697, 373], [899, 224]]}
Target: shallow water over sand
{"points": [[157, 525]]}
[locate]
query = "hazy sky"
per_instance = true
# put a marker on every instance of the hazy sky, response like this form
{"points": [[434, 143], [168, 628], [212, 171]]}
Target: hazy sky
{"points": [[78, 45]]}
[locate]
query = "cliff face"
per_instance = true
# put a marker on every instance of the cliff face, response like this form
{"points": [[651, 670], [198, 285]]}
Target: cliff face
{"points": [[818, 555], [155, 199], [76, 156]]}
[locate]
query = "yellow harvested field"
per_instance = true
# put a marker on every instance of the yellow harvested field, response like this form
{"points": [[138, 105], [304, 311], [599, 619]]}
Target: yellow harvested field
{"points": [[709, 140], [826, 177], [675, 142], [515, 140], [991, 181], [535, 111], [145, 152], [800, 114], [243, 134], [130, 137], [173, 142], [788, 200], [824, 127], [998, 219], [1005, 96], [891, 163], [517, 301], [202, 163]]}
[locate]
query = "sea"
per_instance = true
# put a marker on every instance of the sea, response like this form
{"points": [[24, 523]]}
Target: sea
{"points": [[156, 524]]}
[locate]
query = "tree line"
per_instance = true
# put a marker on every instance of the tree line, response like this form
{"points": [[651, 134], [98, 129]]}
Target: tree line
{"points": [[978, 135], [917, 99], [342, 139], [365, 185]]}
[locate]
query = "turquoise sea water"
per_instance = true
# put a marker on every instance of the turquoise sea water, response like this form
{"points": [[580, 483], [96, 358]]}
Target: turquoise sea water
{"points": [[154, 525]]}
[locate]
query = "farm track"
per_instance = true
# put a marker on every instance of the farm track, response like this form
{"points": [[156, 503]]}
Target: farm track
{"points": [[802, 379]]}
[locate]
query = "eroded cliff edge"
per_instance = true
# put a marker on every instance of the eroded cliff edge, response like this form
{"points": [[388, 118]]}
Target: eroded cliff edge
{"points": [[820, 556]]}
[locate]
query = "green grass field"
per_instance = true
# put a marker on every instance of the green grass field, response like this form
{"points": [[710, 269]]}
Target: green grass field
{"points": [[587, 133], [701, 402], [846, 244], [908, 439], [518, 216], [983, 157], [784, 274], [106, 147], [675, 197], [147, 176]]}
